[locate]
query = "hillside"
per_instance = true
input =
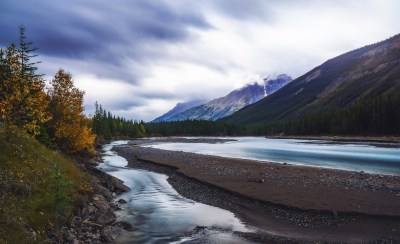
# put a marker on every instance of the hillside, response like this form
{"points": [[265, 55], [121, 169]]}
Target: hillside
{"points": [[359, 75], [234, 101], [38, 189]]}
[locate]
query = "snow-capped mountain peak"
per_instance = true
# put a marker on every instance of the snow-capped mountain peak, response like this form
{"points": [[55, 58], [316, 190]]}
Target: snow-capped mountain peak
{"points": [[255, 90]]}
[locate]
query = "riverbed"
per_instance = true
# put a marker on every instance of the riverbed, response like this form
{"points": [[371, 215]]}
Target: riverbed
{"points": [[283, 200], [159, 214]]}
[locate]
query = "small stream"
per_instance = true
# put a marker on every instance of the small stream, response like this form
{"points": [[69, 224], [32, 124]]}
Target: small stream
{"points": [[159, 214]]}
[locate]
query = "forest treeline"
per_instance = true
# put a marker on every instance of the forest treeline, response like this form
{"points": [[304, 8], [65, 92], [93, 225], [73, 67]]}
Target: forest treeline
{"points": [[378, 116], [194, 128], [107, 126]]}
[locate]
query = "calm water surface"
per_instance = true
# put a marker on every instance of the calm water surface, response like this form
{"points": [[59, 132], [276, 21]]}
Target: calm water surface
{"points": [[160, 214], [347, 156]]}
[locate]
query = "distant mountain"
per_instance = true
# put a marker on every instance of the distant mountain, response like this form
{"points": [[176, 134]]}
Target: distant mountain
{"points": [[369, 72], [180, 107], [234, 101]]}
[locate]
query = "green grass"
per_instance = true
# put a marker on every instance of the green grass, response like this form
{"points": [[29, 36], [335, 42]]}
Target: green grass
{"points": [[38, 188]]}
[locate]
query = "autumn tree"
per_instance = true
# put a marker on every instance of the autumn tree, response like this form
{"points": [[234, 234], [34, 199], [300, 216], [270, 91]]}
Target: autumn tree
{"points": [[23, 102], [68, 125]]}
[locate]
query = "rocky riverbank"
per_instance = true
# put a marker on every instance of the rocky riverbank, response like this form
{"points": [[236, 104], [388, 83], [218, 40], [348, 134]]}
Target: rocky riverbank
{"points": [[286, 202], [95, 220]]}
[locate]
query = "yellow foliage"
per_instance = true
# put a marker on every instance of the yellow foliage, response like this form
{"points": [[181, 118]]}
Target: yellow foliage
{"points": [[68, 125], [23, 102]]}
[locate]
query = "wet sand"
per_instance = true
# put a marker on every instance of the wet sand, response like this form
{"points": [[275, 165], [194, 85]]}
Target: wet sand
{"points": [[285, 201]]}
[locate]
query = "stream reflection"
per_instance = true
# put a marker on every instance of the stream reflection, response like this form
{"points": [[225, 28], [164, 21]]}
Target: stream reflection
{"points": [[159, 214]]}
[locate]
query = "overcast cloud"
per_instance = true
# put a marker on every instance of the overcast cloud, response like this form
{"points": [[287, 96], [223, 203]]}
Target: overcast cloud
{"points": [[139, 58]]}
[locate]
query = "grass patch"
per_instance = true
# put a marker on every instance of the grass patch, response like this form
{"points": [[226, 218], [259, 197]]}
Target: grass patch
{"points": [[38, 189]]}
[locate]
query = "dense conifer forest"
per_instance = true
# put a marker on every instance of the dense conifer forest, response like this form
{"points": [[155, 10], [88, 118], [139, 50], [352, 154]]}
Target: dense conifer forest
{"points": [[107, 126], [377, 116]]}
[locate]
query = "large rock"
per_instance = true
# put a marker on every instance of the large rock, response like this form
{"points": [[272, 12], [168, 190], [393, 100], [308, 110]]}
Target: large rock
{"points": [[98, 189], [88, 211], [100, 203], [92, 162], [111, 183], [106, 217], [122, 201], [124, 225], [110, 233]]}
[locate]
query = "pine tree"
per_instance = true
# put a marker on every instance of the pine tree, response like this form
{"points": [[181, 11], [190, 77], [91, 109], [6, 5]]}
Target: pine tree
{"points": [[26, 54]]}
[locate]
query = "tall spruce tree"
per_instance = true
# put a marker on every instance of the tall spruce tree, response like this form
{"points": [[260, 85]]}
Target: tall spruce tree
{"points": [[26, 54]]}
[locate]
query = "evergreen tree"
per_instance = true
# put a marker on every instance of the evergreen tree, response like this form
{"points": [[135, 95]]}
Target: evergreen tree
{"points": [[26, 54], [107, 126]]}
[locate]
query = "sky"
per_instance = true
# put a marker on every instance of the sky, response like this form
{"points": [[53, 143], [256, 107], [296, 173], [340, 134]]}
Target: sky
{"points": [[138, 58]]}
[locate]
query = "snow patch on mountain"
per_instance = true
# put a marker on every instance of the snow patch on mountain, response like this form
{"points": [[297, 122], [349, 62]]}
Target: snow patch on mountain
{"points": [[257, 88]]}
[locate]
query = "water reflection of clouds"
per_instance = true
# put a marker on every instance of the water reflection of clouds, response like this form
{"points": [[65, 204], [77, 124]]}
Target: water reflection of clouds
{"points": [[159, 212]]}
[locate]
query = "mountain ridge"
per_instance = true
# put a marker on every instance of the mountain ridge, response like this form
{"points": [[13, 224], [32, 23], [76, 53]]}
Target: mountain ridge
{"points": [[358, 74], [233, 101], [179, 107]]}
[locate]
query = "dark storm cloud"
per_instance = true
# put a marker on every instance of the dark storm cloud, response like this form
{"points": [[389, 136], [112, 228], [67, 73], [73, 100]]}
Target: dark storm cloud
{"points": [[103, 30], [143, 56]]}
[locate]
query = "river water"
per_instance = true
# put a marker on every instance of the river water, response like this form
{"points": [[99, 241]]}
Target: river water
{"points": [[373, 158], [160, 215]]}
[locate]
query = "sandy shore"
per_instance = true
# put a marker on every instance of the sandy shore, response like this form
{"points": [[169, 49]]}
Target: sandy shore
{"points": [[293, 202]]}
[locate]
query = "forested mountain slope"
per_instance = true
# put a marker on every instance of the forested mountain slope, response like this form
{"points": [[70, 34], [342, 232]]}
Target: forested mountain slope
{"points": [[371, 72]]}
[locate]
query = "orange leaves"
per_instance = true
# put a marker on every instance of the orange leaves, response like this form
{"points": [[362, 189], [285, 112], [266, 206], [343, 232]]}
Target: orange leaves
{"points": [[86, 187], [68, 124], [23, 102]]}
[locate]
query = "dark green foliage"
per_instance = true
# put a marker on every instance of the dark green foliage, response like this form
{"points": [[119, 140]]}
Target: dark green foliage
{"points": [[194, 128], [377, 116], [44, 138], [5, 69], [107, 126], [26, 54]]}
